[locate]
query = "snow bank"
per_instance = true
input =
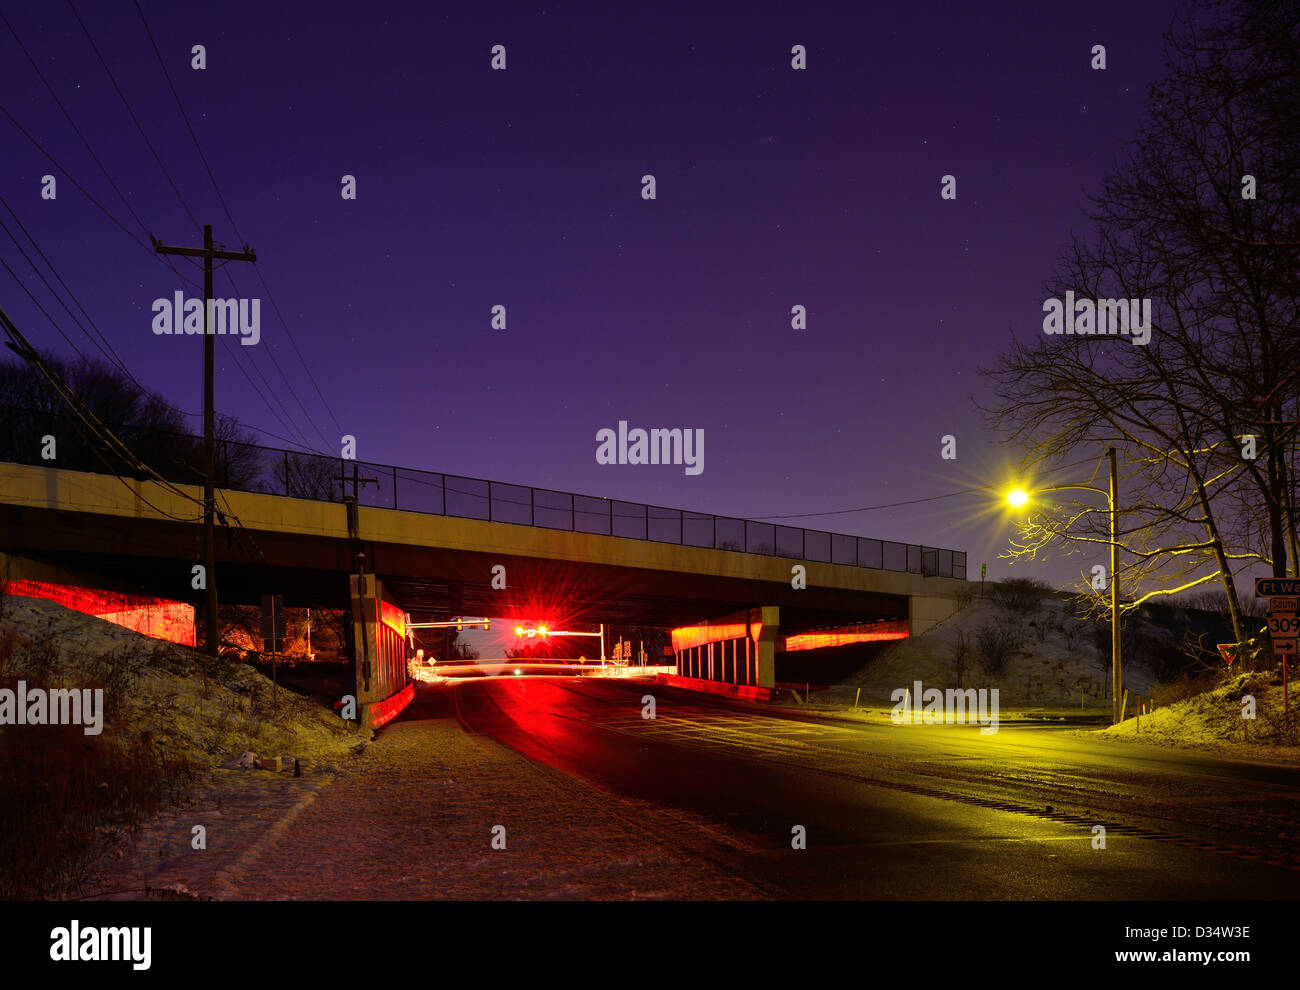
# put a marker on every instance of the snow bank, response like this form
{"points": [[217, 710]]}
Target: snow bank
{"points": [[1213, 720]]}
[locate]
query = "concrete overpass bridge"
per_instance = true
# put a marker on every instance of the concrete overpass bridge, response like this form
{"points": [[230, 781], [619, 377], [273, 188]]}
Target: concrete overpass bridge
{"points": [[433, 546]]}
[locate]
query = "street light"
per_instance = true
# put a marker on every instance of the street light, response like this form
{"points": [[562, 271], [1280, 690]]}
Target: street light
{"points": [[1019, 497]]}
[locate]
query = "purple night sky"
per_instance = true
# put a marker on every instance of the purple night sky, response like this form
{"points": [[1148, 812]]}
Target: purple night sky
{"points": [[475, 187]]}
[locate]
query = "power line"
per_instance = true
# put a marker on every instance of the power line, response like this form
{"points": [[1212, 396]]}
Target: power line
{"points": [[133, 237], [157, 158], [287, 421], [261, 393], [85, 192], [21, 346], [30, 295], [140, 127], [180, 106], [185, 117], [123, 367], [105, 347], [283, 377], [111, 353], [910, 501], [303, 361], [872, 508], [72, 123], [300, 444]]}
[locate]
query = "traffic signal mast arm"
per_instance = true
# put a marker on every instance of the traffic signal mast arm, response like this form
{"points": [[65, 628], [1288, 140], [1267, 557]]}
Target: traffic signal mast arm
{"points": [[457, 623]]}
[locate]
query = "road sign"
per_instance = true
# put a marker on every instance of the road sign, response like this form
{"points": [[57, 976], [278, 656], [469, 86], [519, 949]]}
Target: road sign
{"points": [[1226, 649], [1283, 606], [1286, 626], [273, 623], [1282, 647], [1268, 587]]}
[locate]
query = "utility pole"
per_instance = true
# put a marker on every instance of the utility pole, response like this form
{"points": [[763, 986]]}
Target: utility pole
{"points": [[1116, 676], [207, 253], [357, 481], [351, 503]]}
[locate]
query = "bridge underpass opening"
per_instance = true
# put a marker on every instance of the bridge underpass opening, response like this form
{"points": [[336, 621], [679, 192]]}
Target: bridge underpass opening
{"points": [[528, 644], [746, 649], [825, 656], [158, 618], [444, 565]]}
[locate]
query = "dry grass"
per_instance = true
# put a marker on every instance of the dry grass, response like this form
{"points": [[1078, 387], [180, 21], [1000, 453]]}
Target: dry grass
{"points": [[70, 797], [169, 715]]}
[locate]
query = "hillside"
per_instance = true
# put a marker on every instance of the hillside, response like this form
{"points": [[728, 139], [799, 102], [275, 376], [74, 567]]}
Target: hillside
{"points": [[1052, 659], [212, 710]]}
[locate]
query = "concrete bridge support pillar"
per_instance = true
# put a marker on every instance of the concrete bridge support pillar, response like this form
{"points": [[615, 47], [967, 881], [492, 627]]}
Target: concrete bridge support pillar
{"points": [[924, 612], [379, 637], [769, 626]]}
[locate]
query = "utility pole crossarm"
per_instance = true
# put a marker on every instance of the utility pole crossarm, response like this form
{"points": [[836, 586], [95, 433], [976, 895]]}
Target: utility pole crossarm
{"points": [[188, 252]]}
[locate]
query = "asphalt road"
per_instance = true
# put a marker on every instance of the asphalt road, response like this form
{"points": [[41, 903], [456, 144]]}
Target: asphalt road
{"points": [[908, 812]]}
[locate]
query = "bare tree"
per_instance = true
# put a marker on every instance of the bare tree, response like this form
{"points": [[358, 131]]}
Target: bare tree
{"points": [[960, 653], [308, 476], [1216, 377], [1019, 595], [153, 430], [995, 643]]}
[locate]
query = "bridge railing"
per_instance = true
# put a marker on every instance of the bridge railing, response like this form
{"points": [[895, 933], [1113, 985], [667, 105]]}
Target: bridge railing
{"points": [[253, 468]]}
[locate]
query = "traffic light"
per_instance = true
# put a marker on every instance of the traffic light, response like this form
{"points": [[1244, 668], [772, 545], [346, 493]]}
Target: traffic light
{"points": [[487, 626], [460, 626], [519, 630]]}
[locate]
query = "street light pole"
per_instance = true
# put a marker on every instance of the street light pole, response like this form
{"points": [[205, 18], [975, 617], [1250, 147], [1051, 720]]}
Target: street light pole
{"points": [[1019, 497], [1116, 673]]}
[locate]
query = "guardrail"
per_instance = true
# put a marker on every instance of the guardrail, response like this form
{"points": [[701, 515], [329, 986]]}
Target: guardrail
{"points": [[277, 471]]}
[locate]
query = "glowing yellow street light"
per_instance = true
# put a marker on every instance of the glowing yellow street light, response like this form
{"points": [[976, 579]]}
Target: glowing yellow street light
{"points": [[1018, 497]]}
